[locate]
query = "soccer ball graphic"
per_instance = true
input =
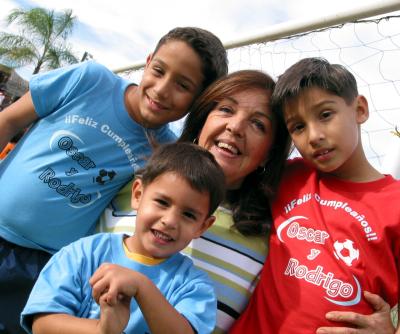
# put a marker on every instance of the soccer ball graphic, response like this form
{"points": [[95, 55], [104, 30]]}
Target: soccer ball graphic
{"points": [[345, 251], [105, 176]]}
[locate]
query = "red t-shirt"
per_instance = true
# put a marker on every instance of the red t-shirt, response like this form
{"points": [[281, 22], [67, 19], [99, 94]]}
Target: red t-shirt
{"points": [[331, 240]]}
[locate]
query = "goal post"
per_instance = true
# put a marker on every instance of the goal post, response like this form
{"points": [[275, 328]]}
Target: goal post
{"points": [[366, 41]]}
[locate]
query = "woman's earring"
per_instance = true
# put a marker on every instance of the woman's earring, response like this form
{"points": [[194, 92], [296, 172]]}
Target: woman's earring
{"points": [[261, 170], [196, 141]]}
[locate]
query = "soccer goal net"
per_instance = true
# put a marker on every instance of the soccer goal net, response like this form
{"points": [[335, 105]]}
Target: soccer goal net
{"points": [[369, 47]]}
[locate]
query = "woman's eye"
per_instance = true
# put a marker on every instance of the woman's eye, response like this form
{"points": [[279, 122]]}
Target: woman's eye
{"points": [[225, 109], [259, 125]]}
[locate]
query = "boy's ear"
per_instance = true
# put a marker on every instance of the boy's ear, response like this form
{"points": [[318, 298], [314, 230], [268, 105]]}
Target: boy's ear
{"points": [[137, 193], [362, 109], [148, 59], [204, 226]]}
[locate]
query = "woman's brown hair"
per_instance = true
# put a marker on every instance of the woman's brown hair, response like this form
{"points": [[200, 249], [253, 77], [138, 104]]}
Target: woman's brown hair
{"points": [[250, 203]]}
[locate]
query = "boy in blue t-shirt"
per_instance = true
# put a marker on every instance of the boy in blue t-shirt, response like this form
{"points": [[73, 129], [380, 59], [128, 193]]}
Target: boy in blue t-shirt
{"points": [[91, 132], [110, 283]]}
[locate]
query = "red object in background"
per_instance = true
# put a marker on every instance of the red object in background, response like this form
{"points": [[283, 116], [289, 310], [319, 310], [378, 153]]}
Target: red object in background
{"points": [[6, 150]]}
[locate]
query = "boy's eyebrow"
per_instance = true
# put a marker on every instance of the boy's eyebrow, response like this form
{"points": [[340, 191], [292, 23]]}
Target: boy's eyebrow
{"points": [[317, 105], [288, 119], [193, 211], [184, 77], [323, 102]]}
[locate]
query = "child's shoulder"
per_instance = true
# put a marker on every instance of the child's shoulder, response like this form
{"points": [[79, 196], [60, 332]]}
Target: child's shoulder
{"points": [[96, 241], [85, 69], [187, 268], [392, 183], [95, 69], [94, 66]]}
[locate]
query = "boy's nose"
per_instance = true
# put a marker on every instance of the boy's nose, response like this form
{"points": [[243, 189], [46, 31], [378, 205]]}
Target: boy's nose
{"points": [[170, 219], [162, 88], [315, 134]]}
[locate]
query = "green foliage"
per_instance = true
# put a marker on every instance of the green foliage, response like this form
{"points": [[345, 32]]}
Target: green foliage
{"points": [[42, 39]]}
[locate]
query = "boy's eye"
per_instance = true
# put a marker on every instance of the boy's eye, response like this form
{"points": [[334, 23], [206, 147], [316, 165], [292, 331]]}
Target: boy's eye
{"points": [[183, 85], [296, 127], [157, 71], [161, 202], [326, 114], [189, 215]]}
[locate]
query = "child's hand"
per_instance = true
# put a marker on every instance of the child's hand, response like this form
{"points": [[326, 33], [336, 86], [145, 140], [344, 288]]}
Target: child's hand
{"points": [[112, 282], [378, 322], [114, 319]]}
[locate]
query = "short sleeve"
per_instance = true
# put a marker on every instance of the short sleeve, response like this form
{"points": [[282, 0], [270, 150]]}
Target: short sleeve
{"points": [[60, 288], [197, 303], [52, 90]]}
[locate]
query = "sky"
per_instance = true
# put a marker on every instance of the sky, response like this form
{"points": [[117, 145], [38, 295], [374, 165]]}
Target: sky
{"points": [[119, 33]]}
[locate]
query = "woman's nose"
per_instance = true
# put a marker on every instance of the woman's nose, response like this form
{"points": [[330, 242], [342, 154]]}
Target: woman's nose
{"points": [[236, 125]]}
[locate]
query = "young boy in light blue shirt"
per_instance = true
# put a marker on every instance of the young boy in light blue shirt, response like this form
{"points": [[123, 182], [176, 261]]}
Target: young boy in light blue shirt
{"points": [[109, 283]]}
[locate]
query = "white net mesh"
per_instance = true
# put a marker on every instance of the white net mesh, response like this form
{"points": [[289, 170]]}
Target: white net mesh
{"points": [[370, 49]]}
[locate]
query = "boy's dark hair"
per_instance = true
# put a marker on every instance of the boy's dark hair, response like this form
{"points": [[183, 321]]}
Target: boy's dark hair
{"points": [[249, 203], [314, 72], [191, 162], [206, 45]]}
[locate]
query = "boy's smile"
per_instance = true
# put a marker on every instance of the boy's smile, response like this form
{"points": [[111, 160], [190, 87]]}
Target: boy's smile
{"points": [[325, 130], [171, 80], [170, 214]]}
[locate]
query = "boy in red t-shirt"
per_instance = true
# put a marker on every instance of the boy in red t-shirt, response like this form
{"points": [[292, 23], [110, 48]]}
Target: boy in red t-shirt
{"points": [[336, 233]]}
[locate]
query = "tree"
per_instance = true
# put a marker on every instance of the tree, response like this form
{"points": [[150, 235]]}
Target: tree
{"points": [[42, 39]]}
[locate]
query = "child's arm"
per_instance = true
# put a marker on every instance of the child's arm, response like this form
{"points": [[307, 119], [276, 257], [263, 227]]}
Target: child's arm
{"points": [[15, 118], [112, 281], [47, 323], [113, 320], [378, 322]]}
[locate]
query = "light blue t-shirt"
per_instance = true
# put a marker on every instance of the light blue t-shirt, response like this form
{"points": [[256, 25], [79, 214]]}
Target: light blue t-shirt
{"points": [[63, 285], [67, 168]]}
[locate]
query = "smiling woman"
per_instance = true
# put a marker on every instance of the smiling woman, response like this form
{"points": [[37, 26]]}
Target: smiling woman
{"points": [[239, 132], [233, 120]]}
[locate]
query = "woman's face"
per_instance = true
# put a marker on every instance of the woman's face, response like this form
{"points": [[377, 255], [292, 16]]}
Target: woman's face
{"points": [[239, 133]]}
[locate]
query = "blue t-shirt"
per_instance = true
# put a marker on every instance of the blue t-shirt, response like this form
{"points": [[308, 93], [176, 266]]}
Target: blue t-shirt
{"points": [[67, 168], [63, 285]]}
